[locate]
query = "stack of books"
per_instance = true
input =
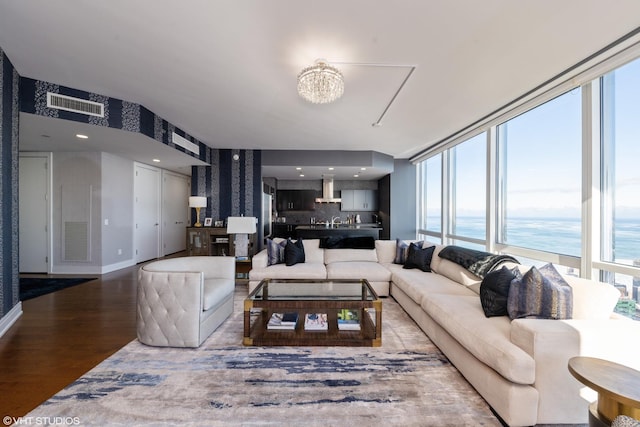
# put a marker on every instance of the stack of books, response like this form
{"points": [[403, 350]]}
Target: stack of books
{"points": [[348, 320], [283, 321], [315, 322]]}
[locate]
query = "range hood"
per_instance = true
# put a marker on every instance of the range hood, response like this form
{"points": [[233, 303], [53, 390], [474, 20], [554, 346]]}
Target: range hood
{"points": [[327, 191]]}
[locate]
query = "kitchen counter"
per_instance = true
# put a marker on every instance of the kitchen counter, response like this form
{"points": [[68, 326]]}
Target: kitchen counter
{"points": [[316, 231]]}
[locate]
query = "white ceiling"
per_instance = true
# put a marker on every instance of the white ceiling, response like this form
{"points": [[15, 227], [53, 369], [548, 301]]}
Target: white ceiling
{"points": [[225, 71]]}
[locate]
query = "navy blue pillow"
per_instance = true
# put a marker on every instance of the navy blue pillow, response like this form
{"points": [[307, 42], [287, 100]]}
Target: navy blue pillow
{"points": [[419, 257], [494, 291], [293, 253]]}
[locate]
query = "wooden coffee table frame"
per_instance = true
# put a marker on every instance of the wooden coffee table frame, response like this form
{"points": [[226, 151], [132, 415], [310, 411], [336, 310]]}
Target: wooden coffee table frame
{"points": [[370, 333]]}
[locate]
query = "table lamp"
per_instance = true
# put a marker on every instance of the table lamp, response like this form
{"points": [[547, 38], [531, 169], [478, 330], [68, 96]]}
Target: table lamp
{"points": [[197, 202], [241, 226]]}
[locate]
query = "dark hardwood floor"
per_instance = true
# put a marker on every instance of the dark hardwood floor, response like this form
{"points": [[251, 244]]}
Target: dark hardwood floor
{"points": [[62, 335]]}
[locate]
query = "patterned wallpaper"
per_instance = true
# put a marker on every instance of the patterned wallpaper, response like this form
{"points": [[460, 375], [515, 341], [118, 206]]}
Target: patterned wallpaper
{"points": [[9, 119], [232, 186], [118, 114]]}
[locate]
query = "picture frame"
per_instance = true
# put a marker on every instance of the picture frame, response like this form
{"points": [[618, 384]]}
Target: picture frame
{"points": [[208, 222], [219, 223]]}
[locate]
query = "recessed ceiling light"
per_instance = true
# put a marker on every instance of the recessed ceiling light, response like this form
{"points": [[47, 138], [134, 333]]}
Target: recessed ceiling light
{"points": [[331, 168], [355, 175], [298, 168], [301, 175], [81, 136], [156, 160], [363, 169]]}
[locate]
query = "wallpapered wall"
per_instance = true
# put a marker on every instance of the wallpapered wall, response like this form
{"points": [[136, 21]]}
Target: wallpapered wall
{"points": [[232, 187], [9, 114]]}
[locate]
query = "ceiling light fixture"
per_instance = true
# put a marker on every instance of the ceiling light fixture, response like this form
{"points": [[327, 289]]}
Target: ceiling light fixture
{"points": [[81, 136], [320, 83]]}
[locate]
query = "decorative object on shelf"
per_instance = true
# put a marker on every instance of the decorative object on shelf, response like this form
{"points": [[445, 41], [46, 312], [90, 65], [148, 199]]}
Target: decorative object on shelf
{"points": [[241, 226], [208, 222], [320, 83], [197, 202]]}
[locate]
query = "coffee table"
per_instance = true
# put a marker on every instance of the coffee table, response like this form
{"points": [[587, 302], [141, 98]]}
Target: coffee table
{"points": [[313, 296]]}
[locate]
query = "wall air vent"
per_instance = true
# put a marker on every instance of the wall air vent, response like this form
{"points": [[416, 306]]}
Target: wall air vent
{"points": [[76, 105]]}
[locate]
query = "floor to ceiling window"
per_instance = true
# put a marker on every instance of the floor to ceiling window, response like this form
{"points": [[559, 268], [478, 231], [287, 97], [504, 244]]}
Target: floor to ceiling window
{"points": [[540, 171], [620, 200], [468, 192], [534, 200]]}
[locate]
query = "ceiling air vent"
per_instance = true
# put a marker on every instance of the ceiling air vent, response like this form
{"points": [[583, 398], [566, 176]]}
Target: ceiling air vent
{"points": [[76, 105]]}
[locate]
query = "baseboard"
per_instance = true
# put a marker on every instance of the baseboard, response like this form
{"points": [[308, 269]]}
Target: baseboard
{"points": [[10, 318], [94, 269]]}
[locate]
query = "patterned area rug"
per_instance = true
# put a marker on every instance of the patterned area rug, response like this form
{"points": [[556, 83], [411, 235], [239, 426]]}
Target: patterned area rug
{"points": [[406, 382]]}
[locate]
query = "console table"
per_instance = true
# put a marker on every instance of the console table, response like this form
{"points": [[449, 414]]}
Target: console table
{"points": [[618, 388]]}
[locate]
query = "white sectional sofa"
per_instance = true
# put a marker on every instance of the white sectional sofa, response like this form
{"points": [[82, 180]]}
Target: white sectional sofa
{"points": [[518, 366]]}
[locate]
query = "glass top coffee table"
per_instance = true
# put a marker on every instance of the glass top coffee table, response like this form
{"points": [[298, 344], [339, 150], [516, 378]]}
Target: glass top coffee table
{"points": [[316, 312]]}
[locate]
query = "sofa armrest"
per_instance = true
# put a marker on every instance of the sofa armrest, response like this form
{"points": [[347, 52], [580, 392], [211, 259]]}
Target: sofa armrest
{"points": [[552, 343], [259, 260]]}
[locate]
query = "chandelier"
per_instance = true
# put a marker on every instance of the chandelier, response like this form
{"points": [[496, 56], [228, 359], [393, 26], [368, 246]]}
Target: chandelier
{"points": [[320, 83]]}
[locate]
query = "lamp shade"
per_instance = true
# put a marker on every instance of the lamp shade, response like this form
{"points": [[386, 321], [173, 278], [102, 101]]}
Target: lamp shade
{"points": [[197, 202], [241, 225]]}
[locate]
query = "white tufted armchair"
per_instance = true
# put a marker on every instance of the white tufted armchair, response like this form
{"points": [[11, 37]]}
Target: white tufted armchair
{"points": [[181, 301]]}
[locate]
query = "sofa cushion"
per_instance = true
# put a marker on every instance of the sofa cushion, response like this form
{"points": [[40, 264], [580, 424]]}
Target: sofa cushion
{"points": [[540, 294], [416, 284], [487, 338], [216, 292], [307, 270], [456, 273], [344, 255], [294, 253], [419, 257], [312, 251], [592, 299], [385, 251], [372, 271], [494, 292]]}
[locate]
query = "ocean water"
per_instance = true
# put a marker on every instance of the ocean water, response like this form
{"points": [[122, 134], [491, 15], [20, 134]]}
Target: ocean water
{"points": [[557, 235]]}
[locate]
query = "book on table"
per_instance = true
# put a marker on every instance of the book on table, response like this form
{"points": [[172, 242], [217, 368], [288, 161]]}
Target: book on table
{"points": [[316, 322], [349, 320], [283, 321]]}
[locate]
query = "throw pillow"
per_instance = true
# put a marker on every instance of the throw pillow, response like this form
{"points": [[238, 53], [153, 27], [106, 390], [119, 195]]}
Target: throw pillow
{"points": [[402, 249], [275, 251], [494, 291], [419, 257], [540, 294], [293, 253]]}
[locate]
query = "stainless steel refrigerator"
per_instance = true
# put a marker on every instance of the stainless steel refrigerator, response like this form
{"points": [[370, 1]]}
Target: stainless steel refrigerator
{"points": [[267, 209]]}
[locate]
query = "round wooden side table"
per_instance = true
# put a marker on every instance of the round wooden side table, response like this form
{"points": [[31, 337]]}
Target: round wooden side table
{"points": [[618, 388]]}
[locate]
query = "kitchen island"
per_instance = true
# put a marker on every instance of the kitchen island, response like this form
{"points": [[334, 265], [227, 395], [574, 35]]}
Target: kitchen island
{"points": [[318, 231]]}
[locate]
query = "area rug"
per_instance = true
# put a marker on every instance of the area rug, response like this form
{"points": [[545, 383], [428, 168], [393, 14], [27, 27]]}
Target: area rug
{"points": [[32, 287], [406, 382]]}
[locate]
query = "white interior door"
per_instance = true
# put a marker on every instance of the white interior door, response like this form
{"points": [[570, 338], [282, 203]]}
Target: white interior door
{"points": [[33, 193], [175, 212], [147, 212]]}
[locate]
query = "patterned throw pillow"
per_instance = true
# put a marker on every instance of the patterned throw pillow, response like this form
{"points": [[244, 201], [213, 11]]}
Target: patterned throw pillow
{"points": [[494, 291], [540, 294], [293, 253], [419, 257], [275, 252], [402, 249]]}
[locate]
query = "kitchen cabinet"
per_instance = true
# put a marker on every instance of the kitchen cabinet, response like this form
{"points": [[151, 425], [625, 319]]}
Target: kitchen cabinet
{"points": [[295, 200], [359, 200]]}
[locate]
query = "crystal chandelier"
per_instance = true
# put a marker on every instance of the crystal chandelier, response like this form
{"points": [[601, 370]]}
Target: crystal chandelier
{"points": [[320, 83]]}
